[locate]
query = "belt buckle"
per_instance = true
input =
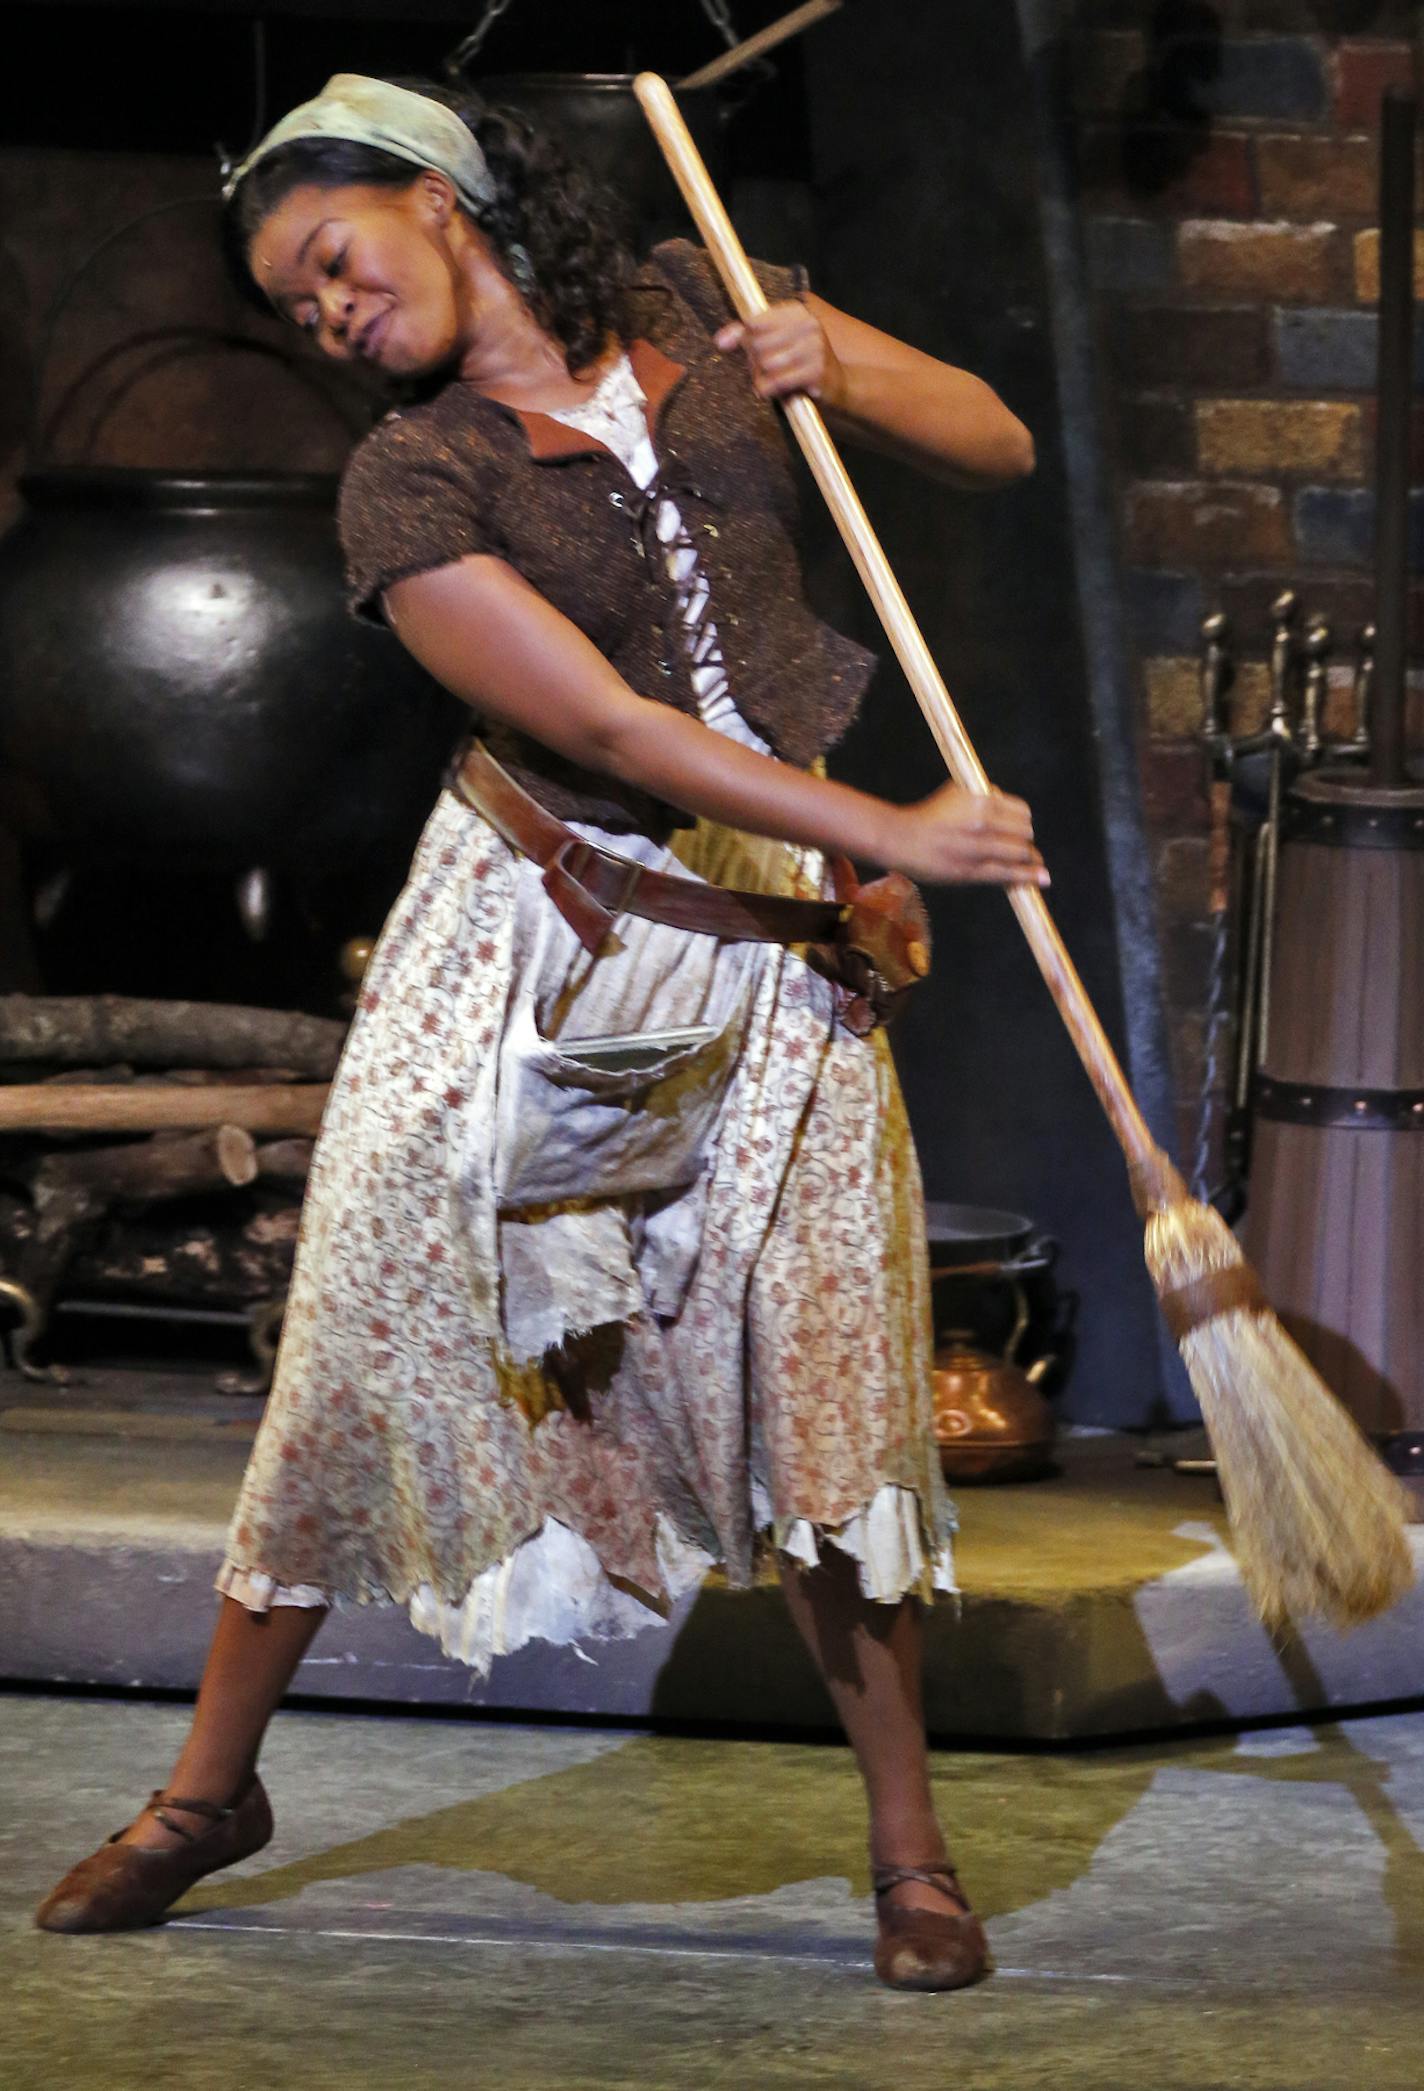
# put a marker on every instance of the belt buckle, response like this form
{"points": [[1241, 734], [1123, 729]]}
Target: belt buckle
{"points": [[630, 886], [577, 858]]}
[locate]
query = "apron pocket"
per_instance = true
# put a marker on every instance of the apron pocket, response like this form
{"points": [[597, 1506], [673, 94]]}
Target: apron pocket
{"points": [[607, 1117]]}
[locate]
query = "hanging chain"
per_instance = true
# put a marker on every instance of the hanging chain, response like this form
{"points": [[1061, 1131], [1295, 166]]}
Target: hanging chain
{"points": [[720, 16], [466, 51]]}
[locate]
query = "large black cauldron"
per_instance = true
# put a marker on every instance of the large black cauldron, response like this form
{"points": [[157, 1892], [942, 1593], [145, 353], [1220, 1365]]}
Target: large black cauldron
{"points": [[190, 724], [179, 677]]}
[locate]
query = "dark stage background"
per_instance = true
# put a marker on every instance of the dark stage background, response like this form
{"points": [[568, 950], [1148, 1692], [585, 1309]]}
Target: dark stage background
{"points": [[896, 152], [928, 220]]}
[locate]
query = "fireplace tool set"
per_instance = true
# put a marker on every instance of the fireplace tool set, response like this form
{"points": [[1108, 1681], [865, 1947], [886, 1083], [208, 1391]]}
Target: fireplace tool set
{"points": [[1325, 1132]]}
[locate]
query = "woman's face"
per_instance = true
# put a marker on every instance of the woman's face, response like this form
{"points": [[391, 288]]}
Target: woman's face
{"points": [[371, 274]]}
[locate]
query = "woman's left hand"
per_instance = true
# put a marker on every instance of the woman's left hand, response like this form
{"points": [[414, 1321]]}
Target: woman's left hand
{"points": [[789, 351]]}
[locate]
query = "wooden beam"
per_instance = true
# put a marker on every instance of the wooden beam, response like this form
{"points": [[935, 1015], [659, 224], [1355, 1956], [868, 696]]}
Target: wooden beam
{"points": [[754, 47]]}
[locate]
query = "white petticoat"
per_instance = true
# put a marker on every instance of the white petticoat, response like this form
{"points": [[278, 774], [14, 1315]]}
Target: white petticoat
{"points": [[553, 1588]]}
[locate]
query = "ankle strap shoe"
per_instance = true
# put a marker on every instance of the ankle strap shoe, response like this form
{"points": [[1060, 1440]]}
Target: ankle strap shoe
{"points": [[122, 1887], [927, 1949]]}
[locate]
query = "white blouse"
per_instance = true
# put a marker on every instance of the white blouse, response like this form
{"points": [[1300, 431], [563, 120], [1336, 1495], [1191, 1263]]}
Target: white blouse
{"points": [[616, 414]]}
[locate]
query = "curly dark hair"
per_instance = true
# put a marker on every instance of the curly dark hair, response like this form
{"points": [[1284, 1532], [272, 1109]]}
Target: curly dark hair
{"points": [[545, 204]]}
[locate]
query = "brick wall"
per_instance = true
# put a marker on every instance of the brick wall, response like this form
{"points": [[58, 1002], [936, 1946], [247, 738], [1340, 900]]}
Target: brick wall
{"points": [[1227, 168]]}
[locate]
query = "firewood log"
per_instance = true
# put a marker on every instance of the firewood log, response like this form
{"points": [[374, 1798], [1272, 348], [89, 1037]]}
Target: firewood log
{"points": [[88, 1030], [121, 1076], [46, 1107], [164, 1167], [73, 1192], [284, 1161], [204, 1265]]}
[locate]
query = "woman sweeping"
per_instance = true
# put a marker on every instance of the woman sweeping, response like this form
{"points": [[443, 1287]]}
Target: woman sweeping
{"points": [[612, 1265]]}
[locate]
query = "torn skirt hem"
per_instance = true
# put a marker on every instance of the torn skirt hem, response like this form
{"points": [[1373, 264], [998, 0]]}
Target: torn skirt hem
{"points": [[552, 1587]]}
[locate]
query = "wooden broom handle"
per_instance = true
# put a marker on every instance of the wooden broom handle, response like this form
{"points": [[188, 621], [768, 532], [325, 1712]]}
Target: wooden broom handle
{"points": [[1057, 968]]}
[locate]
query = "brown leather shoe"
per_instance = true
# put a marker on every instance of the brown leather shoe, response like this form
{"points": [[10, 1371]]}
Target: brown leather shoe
{"points": [[927, 1949], [123, 1886]]}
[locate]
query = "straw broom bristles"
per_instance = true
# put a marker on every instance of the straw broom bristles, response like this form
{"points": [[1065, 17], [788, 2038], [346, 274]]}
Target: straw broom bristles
{"points": [[1317, 1520]]}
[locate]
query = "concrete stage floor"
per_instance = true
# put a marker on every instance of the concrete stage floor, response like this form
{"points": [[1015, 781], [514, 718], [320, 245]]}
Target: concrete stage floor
{"points": [[453, 1903], [1104, 1602]]}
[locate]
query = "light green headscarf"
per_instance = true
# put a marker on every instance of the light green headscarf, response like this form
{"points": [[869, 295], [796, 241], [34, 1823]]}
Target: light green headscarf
{"points": [[396, 120]]}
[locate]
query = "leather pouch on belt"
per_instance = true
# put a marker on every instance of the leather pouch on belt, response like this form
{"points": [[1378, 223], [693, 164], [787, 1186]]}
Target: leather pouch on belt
{"points": [[882, 947]]}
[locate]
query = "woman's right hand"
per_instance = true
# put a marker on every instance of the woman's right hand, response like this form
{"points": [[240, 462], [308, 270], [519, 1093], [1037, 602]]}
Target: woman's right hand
{"points": [[483, 631], [963, 838]]}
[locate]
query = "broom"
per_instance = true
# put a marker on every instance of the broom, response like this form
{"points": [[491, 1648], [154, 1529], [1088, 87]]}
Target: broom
{"points": [[1317, 1520]]}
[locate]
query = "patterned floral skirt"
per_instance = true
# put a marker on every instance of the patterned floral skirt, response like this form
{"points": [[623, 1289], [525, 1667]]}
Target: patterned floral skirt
{"points": [[565, 1334]]}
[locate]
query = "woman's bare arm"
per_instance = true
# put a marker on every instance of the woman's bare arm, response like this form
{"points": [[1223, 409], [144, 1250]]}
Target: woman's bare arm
{"points": [[481, 630], [881, 392]]}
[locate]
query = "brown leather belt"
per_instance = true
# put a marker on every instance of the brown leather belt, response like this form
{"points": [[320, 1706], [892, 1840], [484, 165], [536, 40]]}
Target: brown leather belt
{"points": [[591, 887]]}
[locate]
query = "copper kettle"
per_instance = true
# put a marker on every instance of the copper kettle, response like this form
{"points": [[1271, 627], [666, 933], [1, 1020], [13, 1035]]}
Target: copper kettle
{"points": [[991, 1422]]}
